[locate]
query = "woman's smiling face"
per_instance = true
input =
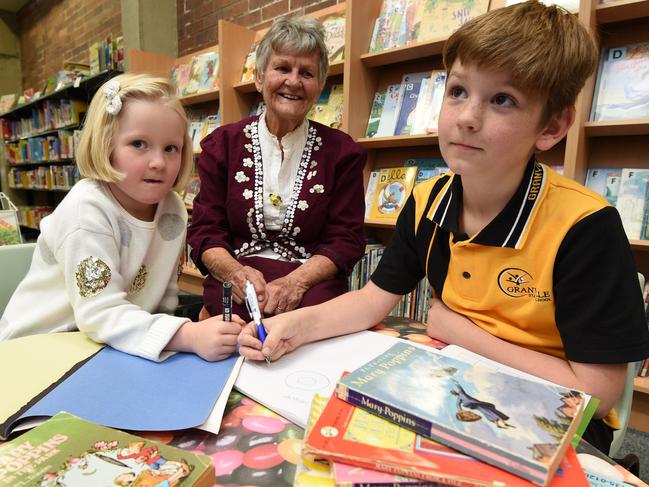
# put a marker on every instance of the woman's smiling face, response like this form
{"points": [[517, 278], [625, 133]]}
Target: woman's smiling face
{"points": [[290, 86]]}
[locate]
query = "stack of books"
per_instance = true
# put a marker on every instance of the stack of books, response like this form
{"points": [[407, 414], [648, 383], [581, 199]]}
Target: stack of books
{"points": [[423, 414]]}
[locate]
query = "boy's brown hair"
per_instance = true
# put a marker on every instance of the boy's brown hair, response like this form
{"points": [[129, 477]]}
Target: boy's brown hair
{"points": [[544, 48]]}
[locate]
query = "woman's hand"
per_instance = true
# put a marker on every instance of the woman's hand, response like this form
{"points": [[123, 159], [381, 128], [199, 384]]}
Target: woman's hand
{"points": [[283, 336], [238, 279], [283, 294]]}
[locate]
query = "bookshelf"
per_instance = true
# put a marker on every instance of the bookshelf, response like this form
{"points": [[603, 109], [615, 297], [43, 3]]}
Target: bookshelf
{"points": [[52, 169]]}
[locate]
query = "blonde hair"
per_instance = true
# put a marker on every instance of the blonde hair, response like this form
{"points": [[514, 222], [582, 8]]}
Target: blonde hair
{"points": [[546, 50], [294, 35], [96, 143]]}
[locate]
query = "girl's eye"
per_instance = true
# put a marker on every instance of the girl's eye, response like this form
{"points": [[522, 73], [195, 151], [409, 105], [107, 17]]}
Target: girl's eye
{"points": [[504, 100], [171, 148], [138, 144], [457, 92]]}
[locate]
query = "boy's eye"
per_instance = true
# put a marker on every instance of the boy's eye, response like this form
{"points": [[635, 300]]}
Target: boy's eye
{"points": [[138, 144], [504, 100], [457, 92], [171, 148]]}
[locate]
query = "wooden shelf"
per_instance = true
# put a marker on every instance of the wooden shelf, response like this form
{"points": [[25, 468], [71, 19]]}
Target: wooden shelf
{"points": [[390, 226], [200, 97], [42, 132], [404, 53], [617, 127], [398, 141], [642, 245], [27, 164], [621, 10], [641, 384]]}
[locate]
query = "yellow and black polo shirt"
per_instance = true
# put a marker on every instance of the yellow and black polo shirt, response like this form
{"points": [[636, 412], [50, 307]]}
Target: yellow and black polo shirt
{"points": [[552, 272]]}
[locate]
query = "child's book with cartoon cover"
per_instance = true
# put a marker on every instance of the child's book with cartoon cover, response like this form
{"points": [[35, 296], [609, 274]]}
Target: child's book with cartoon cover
{"points": [[393, 186], [67, 450]]}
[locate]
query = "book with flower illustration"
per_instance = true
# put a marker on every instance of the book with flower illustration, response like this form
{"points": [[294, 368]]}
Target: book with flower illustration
{"points": [[393, 186], [514, 423], [67, 450], [350, 436]]}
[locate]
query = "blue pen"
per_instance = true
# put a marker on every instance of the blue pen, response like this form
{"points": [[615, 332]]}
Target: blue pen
{"points": [[253, 308]]}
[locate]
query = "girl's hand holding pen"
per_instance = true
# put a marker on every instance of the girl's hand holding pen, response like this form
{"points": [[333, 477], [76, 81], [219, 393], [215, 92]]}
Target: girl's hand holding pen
{"points": [[211, 339]]}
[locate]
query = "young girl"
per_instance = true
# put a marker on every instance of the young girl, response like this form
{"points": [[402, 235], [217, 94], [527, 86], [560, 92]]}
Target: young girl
{"points": [[107, 259]]}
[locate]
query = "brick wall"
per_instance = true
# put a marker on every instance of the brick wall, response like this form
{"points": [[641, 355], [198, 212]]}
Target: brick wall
{"points": [[198, 19], [55, 31]]}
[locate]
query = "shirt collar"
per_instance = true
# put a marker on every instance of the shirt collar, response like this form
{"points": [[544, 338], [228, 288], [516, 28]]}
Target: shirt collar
{"points": [[292, 141], [508, 228]]}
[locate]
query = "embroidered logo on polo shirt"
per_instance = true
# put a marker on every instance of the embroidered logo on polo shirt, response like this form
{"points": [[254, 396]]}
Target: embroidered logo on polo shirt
{"points": [[518, 283]]}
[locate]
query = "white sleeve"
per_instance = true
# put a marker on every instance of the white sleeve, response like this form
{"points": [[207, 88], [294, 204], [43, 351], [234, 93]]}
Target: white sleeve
{"points": [[98, 296]]}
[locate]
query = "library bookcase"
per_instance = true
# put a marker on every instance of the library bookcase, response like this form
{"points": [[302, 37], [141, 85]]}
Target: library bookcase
{"points": [[41, 196], [588, 144]]}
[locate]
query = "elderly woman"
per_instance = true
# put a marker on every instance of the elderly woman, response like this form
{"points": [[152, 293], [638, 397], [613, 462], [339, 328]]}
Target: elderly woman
{"points": [[281, 201]]}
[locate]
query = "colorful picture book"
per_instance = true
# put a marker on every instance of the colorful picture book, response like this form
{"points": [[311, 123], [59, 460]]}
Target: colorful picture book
{"points": [[632, 201], [513, 423], [389, 195], [67, 450], [203, 73], [109, 387], [345, 434], [248, 72], [440, 18], [334, 26], [622, 89], [375, 114], [328, 109], [605, 181]]}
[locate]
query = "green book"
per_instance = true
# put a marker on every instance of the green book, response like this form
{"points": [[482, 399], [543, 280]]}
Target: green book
{"points": [[67, 450], [375, 114]]}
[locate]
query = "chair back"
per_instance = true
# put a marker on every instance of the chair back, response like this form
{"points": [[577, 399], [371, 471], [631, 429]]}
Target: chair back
{"points": [[623, 410], [14, 264], [623, 405]]}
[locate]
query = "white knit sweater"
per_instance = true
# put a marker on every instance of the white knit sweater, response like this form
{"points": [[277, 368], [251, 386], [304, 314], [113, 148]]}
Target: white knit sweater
{"points": [[100, 270]]}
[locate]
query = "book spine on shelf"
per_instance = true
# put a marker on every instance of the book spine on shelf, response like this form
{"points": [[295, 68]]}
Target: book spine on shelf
{"points": [[465, 444]]}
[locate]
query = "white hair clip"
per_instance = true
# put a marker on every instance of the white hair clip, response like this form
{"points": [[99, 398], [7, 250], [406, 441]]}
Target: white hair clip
{"points": [[111, 92]]}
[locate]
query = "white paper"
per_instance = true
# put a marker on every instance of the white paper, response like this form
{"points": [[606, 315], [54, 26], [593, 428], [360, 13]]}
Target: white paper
{"points": [[213, 421], [288, 385]]}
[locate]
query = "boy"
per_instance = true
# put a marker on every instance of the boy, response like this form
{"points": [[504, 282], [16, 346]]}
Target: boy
{"points": [[528, 268]]}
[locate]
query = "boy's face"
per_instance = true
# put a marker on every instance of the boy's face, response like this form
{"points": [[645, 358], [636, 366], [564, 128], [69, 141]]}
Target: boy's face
{"points": [[486, 125]]}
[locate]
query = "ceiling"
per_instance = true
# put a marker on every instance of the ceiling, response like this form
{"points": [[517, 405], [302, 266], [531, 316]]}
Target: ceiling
{"points": [[12, 5]]}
